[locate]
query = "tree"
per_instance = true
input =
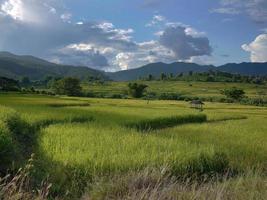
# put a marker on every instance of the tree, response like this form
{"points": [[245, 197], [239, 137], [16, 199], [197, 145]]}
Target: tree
{"points": [[7, 84], [181, 74], [25, 81], [136, 90], [234, 93], [150, 77], [163, 76], [68, 86], [210, 78], [190, 73]]}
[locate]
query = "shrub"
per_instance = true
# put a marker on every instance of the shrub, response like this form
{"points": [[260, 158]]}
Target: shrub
{"points": [[169, 96]]}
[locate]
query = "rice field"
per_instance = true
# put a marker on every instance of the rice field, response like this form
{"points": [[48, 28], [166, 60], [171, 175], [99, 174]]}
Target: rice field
{"points": [[86, 145], [191, 89]]}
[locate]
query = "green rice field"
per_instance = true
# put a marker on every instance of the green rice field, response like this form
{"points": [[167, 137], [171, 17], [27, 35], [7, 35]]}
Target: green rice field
{"points": [[95, 148]]}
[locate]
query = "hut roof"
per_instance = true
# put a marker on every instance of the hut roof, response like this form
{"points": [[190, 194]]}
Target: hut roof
{"points": [[197, 102]]}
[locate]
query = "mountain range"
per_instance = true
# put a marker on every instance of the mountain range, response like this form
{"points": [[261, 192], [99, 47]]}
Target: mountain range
{"points": [[155, 69], [16, 67]]}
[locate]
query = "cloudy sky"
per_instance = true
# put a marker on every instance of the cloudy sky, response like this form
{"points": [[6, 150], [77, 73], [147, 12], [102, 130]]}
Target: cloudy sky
{"points": [[116, 35]]}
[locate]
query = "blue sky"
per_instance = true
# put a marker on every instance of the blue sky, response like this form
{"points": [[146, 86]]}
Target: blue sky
{"points": [[117, 34]]}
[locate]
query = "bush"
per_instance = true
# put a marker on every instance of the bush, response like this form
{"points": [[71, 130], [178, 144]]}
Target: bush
{"points": [[254, 101], [169, 96]]}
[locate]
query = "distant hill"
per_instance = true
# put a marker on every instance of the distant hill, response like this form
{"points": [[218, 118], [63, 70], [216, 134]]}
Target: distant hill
{"points": [[156, 69], [16, 67], [245, 68]]}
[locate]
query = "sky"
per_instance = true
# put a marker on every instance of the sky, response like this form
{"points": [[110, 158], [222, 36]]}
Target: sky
{"points": [[112, 35]]}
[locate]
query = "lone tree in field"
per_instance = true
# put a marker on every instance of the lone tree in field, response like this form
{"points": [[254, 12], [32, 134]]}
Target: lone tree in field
{"points": [[136, 90], [68, 86], [234, 93]]}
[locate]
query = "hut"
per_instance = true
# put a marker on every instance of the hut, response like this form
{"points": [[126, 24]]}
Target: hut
{"points": [[197, 104]]}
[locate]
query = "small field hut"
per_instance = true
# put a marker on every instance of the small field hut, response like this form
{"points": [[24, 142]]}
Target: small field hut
{"points": [[197, 104]]}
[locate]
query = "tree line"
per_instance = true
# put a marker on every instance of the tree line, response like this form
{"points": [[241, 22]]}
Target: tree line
{"points": [[210, 76]]}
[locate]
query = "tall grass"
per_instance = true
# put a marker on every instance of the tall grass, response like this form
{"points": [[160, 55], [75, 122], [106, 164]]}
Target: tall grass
{"points": [[154, 184], [18, 186], [160, 123]]}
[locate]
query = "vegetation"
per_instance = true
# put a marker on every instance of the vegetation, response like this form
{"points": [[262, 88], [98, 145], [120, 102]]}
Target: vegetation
{"points": [[136, 90], [68, 86], [7, 84], [36, 69], [87, 148], [160, 123], [234, 93], [210, 76]]}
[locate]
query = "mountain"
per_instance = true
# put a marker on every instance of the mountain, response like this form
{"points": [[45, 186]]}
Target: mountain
{"points": [[245, 68], [156, 69], [16, 67]]}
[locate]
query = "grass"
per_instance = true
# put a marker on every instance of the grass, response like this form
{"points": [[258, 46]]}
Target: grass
{"points": [[80, 145], [167, 122], [191, 89]]}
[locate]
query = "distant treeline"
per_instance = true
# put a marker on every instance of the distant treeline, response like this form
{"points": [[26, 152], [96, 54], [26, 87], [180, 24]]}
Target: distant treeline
{"points": [[210, 76]]}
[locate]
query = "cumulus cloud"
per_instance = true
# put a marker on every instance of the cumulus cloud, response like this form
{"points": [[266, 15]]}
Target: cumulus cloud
{"points": [[257, 49], [44, 28], [256, 9], [183, 44]]}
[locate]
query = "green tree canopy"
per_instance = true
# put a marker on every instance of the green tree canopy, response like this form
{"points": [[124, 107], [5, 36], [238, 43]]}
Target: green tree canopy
{"points": [[234, 93], [136, 90], [68, 86]]}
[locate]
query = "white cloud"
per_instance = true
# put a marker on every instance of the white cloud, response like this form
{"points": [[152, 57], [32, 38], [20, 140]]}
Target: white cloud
{"points": [[66, 17], [185, 43], [123, 60], [156, 20], [231, 11], [49, 33], [13, 8], [255, 9], [257, 49]]}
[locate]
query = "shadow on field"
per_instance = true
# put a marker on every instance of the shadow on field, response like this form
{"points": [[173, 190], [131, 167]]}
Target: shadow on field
{"points": [[19, 139], [166, 122], [75, 119], [61, 105], [227, 119]]}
